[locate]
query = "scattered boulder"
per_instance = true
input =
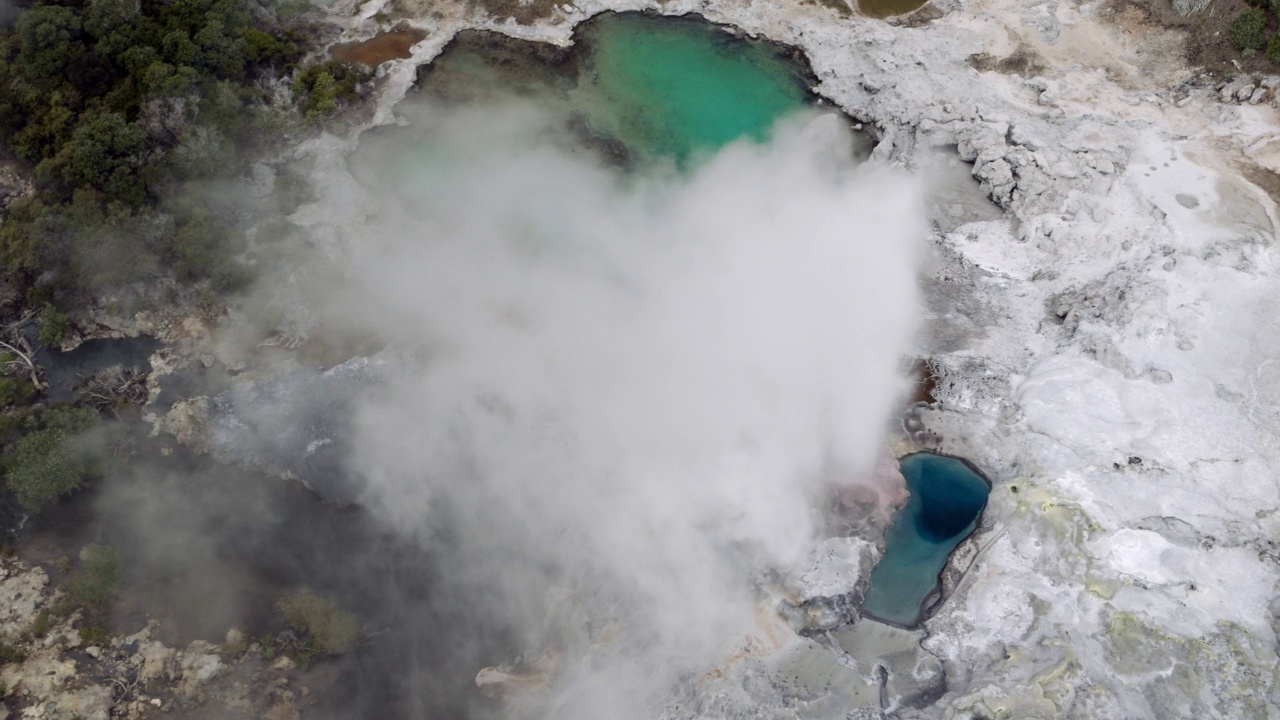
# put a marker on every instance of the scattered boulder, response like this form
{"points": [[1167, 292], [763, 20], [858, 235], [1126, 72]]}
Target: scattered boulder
{"points": [[133, 677], [1248, 89], [21, 591]]}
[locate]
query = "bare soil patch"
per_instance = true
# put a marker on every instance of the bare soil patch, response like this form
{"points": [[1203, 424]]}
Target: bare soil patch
{"points": [[924, 382], [1206, 33], [1023, 61], [919, 18], [1266, 179], [394, 45]]}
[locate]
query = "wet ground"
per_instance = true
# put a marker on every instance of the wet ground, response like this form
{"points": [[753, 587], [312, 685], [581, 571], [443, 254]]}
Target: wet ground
{"points": [[394, 45]]}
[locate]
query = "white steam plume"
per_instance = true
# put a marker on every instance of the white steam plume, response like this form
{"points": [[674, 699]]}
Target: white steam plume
{"points": [[628, 388], [8, 12]]}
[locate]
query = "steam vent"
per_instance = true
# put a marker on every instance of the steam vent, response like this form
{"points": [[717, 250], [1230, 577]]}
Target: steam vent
{"points": [[603, 360]]}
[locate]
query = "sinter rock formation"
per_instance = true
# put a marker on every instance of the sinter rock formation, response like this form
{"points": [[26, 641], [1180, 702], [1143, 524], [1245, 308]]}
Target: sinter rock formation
{"points": [[1104, 341]]}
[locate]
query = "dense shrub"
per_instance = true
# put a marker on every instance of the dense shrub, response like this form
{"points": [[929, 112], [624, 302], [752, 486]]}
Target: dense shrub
{"points": [[71, 420], [43, 468], [1249, 30], [44, 461], [97, 582], [54, 325], [326, 627], [117, 104], [93, 635], [1273, 49], [40, 626], [14, 390], [10, 653], [323, 87]]}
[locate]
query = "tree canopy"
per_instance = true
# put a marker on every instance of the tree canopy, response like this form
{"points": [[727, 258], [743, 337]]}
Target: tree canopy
{"points": [[118, 105]]}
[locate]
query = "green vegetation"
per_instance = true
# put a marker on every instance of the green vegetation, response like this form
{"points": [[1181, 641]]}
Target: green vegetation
{"points": [[136, 119], [11, 654], [14, 390], [49, 451], [98, 580], [323, 87], [93, 634], [40, 627], [1255, 31], [268, 651], [126, 110], [1249, 30], [43, 468], [54, 326], [44, 462], [325, 627]]}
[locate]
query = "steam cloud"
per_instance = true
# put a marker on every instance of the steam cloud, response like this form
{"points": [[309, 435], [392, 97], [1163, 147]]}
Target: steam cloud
{"points": [[622, 391], [8, 12]]}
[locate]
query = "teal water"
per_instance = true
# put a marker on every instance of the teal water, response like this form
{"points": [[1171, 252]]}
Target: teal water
{"points": [[947, 497], [676, 87], [662, 88]]}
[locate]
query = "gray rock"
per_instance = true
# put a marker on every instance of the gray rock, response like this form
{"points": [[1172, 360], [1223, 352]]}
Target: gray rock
{"points": [[997, 172], [1021, 135], [1238, 89], [294, 424]]}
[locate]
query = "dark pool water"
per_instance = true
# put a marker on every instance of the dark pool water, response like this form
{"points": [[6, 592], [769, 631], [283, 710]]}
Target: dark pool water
{"points": [[947, 498], [65, 370]]}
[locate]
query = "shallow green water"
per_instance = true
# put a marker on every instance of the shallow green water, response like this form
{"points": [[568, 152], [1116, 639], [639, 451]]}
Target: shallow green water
{"points": [[947, 497], [889, 8], [660, 87], [675, 87]]}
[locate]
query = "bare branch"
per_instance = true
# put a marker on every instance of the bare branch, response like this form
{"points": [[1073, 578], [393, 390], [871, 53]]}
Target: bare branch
{"points": [[112, 387], [31, 367]]}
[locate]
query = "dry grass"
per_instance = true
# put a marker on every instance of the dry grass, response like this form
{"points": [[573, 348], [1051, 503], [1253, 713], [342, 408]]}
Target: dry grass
{"points": [[332, 629]]}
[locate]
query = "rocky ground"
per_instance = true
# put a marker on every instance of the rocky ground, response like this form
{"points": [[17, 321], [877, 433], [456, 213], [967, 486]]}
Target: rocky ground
{"points": [[60, 667], [1104, 345], [1103, 340]]}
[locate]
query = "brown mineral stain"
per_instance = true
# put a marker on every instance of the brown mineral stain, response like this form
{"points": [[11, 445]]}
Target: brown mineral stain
{"points": [[380, 48], [925, 382]]}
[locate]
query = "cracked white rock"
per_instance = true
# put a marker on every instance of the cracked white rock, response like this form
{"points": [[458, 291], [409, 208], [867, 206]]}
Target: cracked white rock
{"points": [[1123, 306]]}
